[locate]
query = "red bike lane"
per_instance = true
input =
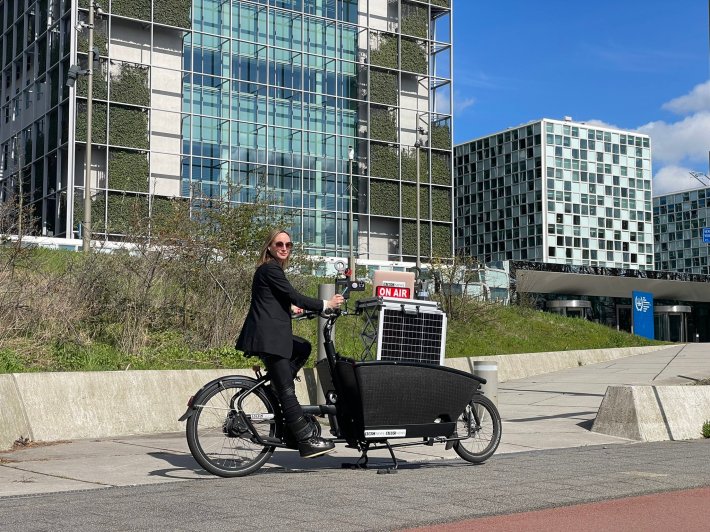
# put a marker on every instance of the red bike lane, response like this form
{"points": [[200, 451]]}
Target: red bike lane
{"points": [[685, 510]]}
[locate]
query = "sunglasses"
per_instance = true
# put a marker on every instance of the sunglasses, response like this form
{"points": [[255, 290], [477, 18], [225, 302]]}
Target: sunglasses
{"points": [[287, 245]]}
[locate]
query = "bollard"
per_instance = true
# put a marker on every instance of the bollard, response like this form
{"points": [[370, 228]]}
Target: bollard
{"points": [[325, 291], [697, 337], [488, 369]]}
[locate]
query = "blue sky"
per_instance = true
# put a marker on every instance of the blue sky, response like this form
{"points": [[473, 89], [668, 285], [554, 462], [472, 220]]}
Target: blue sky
{"points": [[633, 64]]}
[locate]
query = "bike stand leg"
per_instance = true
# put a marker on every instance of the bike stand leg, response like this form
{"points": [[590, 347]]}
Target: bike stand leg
{"points": [[392, 469], [361, 462]]}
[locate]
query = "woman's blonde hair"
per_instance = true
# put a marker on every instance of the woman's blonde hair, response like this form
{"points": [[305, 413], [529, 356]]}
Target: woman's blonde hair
{"points": [[265, 255]]}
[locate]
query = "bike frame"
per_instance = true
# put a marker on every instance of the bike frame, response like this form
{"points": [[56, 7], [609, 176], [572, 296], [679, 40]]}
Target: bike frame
{"points": [[331, 410]]}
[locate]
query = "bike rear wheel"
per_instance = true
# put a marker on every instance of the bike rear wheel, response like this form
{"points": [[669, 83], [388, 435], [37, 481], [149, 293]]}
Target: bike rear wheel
{"points": [[218, 437], [481, 422]]}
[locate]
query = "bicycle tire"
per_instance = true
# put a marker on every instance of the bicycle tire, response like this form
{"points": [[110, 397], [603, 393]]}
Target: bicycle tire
{"points": [[483, 426], [217, 436]]}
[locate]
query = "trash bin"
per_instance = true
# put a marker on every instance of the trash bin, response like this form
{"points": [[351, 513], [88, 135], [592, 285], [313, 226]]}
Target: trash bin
{"points": [[488, 369]]}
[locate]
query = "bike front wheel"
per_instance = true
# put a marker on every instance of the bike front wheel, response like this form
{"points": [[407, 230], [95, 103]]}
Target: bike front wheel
{"points": [[217, 435], [480, 429]]}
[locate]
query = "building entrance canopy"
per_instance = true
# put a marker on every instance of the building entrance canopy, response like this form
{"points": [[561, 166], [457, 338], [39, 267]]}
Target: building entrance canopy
{"points": [[610, 282]]}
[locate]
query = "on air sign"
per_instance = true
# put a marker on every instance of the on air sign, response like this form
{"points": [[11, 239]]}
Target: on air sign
{"points": [[400, 292]]}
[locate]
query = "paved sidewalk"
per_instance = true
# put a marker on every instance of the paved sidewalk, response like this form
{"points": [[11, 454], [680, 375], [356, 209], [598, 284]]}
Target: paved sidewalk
{"points": [[549, 411]]}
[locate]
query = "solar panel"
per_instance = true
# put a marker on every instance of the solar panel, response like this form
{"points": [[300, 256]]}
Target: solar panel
{"points": [[412, 337]]}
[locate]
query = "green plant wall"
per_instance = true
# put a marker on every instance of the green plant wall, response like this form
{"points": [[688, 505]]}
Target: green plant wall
{"points": [[409, 166], [383, 125], [385, 55], [440, 136], [441, 236], [383, 161], [440, 168], [100, 41], [383, 87], [100, 90], [414, 57], [98, 122], [441, 204], [440, 3], [409, 201], [384, 198], [128, 171], [172, 12], [129, 127], [415, 20], [98, 212], [409, 238], [130, 85], [139, 9], [125, 212]]}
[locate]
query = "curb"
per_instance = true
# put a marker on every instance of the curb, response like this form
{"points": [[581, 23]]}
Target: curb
{"points": [[102, 404]]}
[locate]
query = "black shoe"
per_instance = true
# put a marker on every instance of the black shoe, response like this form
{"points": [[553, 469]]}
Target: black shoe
{"points": [[310, 444], [314, 446]]}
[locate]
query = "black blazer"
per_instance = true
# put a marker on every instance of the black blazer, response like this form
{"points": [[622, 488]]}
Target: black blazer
{"points": [[267, 328]]}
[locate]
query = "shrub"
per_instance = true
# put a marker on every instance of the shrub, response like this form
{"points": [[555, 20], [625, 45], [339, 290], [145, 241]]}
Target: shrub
{"points": [[706, 429]]}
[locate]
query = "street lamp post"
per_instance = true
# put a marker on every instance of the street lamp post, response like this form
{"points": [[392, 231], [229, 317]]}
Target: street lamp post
{"points": [[417, 145], [86, 233], [351, 261]]}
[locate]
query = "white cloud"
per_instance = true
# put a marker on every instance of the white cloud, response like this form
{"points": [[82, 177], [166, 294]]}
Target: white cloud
{"points": [[696, 100], [673, 179], [686, 141], [601, 123], [461, 104]]}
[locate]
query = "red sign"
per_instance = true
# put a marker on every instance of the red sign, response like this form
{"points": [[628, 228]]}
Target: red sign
{"points": [[393, 291]]}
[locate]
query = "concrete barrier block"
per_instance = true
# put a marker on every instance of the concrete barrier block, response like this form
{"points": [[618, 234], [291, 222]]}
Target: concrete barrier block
{"points": [[13, 422], [521, 366], [104, 404], [617, 414], [653, 413], [685, 408]]}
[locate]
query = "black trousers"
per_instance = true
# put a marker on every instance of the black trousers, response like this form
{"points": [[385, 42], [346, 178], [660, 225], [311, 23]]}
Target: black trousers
{"points": [[282, 372]]}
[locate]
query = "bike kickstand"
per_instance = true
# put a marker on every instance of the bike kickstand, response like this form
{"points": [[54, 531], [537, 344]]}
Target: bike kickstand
{"points": [[394, 460], [361, 462]]}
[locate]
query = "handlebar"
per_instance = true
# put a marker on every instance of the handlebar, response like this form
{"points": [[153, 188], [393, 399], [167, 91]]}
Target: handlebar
{"points": [[328, 313]]}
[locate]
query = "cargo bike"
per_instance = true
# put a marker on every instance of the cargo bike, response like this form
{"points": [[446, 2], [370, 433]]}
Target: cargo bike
{"points": [[234, 423]]}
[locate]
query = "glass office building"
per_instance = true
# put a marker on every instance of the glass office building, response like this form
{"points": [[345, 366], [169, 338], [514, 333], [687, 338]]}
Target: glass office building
{"points": [[679, 220], [237, 100], [556, 191]]}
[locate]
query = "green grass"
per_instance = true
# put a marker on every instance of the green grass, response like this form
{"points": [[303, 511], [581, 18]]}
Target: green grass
{"points": [[494, 330]]}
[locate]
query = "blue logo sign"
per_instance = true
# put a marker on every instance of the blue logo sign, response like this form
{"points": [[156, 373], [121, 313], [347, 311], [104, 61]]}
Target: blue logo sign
{"points": [[642, 307], [706, 235]]}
